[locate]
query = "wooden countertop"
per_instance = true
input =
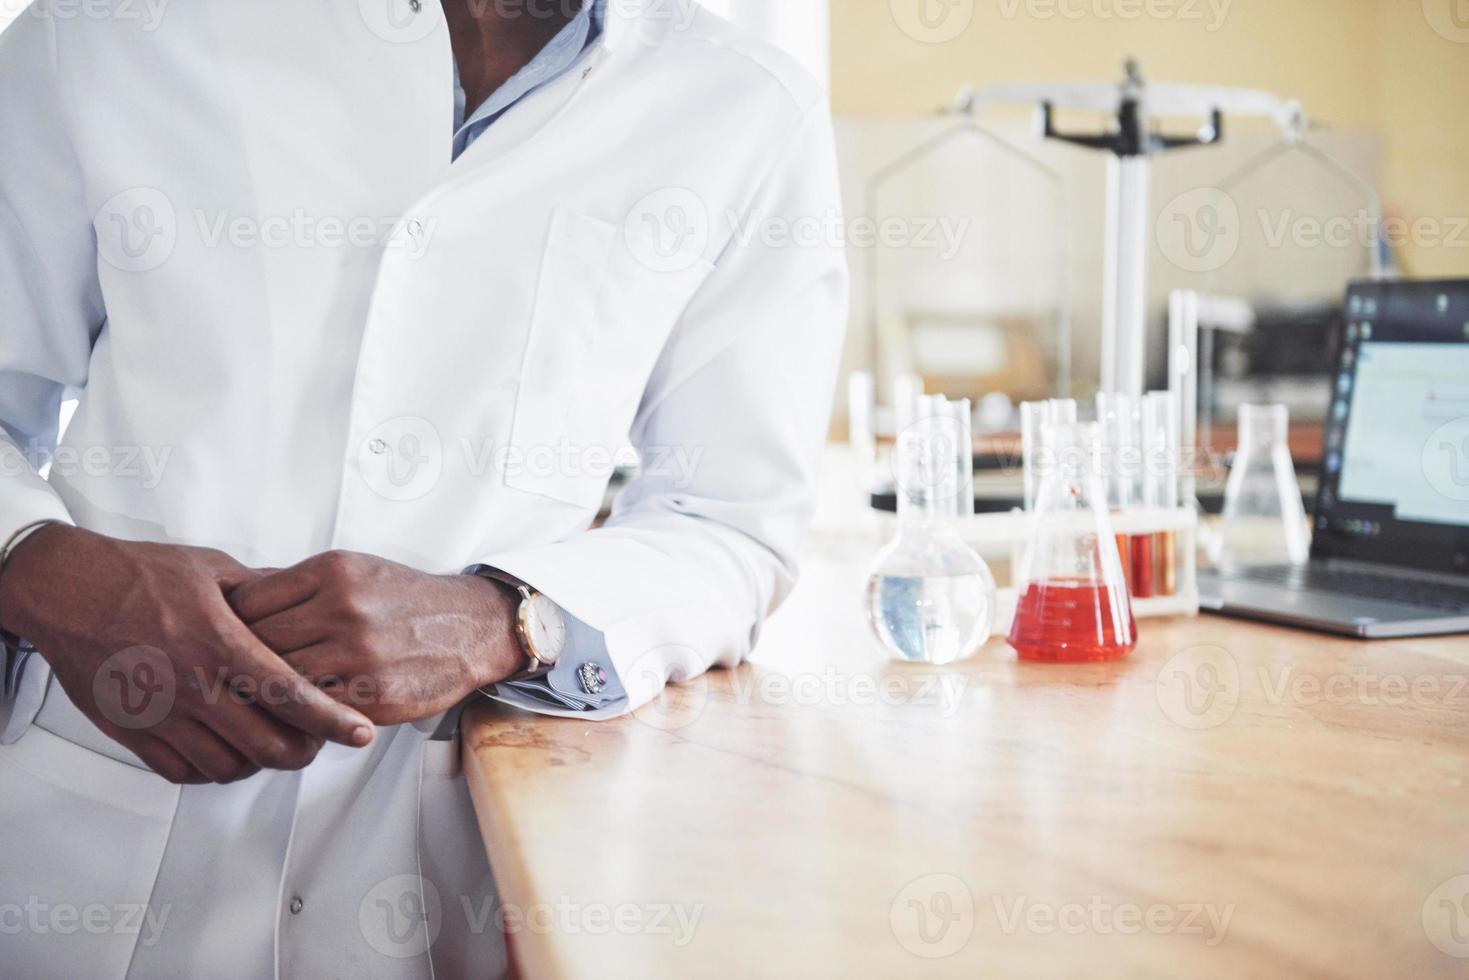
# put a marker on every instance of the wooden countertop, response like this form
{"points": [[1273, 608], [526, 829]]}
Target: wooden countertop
{"points": [[1231, 800]]}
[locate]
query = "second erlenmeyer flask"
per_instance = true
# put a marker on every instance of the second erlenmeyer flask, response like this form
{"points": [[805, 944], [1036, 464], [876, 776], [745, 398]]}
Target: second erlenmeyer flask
{"points": [[1264, 519], [1073, 603]]}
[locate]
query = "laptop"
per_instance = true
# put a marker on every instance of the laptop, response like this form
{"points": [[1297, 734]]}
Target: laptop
{"points": [[1390, 552]]}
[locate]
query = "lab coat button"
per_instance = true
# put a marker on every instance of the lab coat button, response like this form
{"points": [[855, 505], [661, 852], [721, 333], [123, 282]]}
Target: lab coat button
{"points": [[377, 447], [415, 227], [415, 5], [297, 905]]}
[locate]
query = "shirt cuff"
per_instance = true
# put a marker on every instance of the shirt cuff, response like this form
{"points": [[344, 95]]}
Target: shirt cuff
{"points": [[14, 664], [583, 684], [29, 676]]}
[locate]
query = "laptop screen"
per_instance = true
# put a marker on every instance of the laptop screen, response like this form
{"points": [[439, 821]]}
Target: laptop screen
{"points": [[1395, 468]]}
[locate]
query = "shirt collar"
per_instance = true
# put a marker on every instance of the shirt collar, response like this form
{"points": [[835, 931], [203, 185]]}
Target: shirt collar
{"points": [[551, 62]]}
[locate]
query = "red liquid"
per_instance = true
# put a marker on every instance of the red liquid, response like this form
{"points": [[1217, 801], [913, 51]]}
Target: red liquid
{"points": [[1072, 622], [1142, 566]]}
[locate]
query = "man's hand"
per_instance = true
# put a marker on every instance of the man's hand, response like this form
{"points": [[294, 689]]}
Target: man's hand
{"points": [[142, 640], [398, 644]]}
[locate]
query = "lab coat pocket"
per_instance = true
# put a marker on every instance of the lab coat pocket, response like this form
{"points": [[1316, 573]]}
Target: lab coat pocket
{"points": [[602, 316], [557, 358], [88, 834]]}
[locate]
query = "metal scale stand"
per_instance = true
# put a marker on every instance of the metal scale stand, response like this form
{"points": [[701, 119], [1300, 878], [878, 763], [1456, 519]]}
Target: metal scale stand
{"points": [[1135, 104]]}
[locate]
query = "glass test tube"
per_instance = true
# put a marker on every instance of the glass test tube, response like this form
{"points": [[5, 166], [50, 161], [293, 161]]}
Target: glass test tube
{"points": [[1117, 419], [861, 431], [907, 392], [1034, 417], [950, 426], [963, 416], [1161, 442]]}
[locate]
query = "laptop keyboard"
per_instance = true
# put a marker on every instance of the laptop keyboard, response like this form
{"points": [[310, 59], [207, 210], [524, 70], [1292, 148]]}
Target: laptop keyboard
{"points": [[1367, 585]]}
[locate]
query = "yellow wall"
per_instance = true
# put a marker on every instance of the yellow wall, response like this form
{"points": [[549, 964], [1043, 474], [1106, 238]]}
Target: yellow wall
{"points": [[1377, 65]]}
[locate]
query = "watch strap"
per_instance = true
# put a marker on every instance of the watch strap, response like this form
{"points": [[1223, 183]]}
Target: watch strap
{"points": [[505, 578]]}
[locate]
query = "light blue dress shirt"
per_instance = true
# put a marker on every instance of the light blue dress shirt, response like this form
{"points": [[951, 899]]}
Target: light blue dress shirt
{"points": [[562, 689]]}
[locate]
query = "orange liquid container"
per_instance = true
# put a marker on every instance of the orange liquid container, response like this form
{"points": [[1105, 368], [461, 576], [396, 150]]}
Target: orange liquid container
{"points": [[1140, 566], [1072, 622]]}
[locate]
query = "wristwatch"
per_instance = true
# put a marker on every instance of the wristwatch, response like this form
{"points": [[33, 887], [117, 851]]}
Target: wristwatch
{"points": [[540, 626]]}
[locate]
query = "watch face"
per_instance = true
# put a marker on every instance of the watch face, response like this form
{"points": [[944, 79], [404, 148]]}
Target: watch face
{"points": [[544, 628]]}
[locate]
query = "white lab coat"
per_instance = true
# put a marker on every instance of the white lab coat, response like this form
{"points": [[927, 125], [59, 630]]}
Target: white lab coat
{"points": [[235, 229]]}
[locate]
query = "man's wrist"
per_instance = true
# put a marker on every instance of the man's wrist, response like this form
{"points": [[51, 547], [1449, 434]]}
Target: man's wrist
{"points": [[19, 565], [498, 654]]}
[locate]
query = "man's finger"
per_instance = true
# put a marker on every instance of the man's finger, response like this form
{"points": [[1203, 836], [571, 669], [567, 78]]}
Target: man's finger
{"points": [[332, 670], [266, 742], [227, 571], [210, 754], [293, 629], [286, 695], [270, 594], [159, 756]]}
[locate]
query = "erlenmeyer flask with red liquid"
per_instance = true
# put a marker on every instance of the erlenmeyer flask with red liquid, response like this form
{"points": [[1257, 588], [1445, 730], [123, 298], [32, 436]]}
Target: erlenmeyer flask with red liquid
{"points": [[1073, 604]]}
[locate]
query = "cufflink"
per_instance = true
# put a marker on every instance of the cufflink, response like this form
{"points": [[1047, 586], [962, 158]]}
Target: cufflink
{"points": [[592, 676]]}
